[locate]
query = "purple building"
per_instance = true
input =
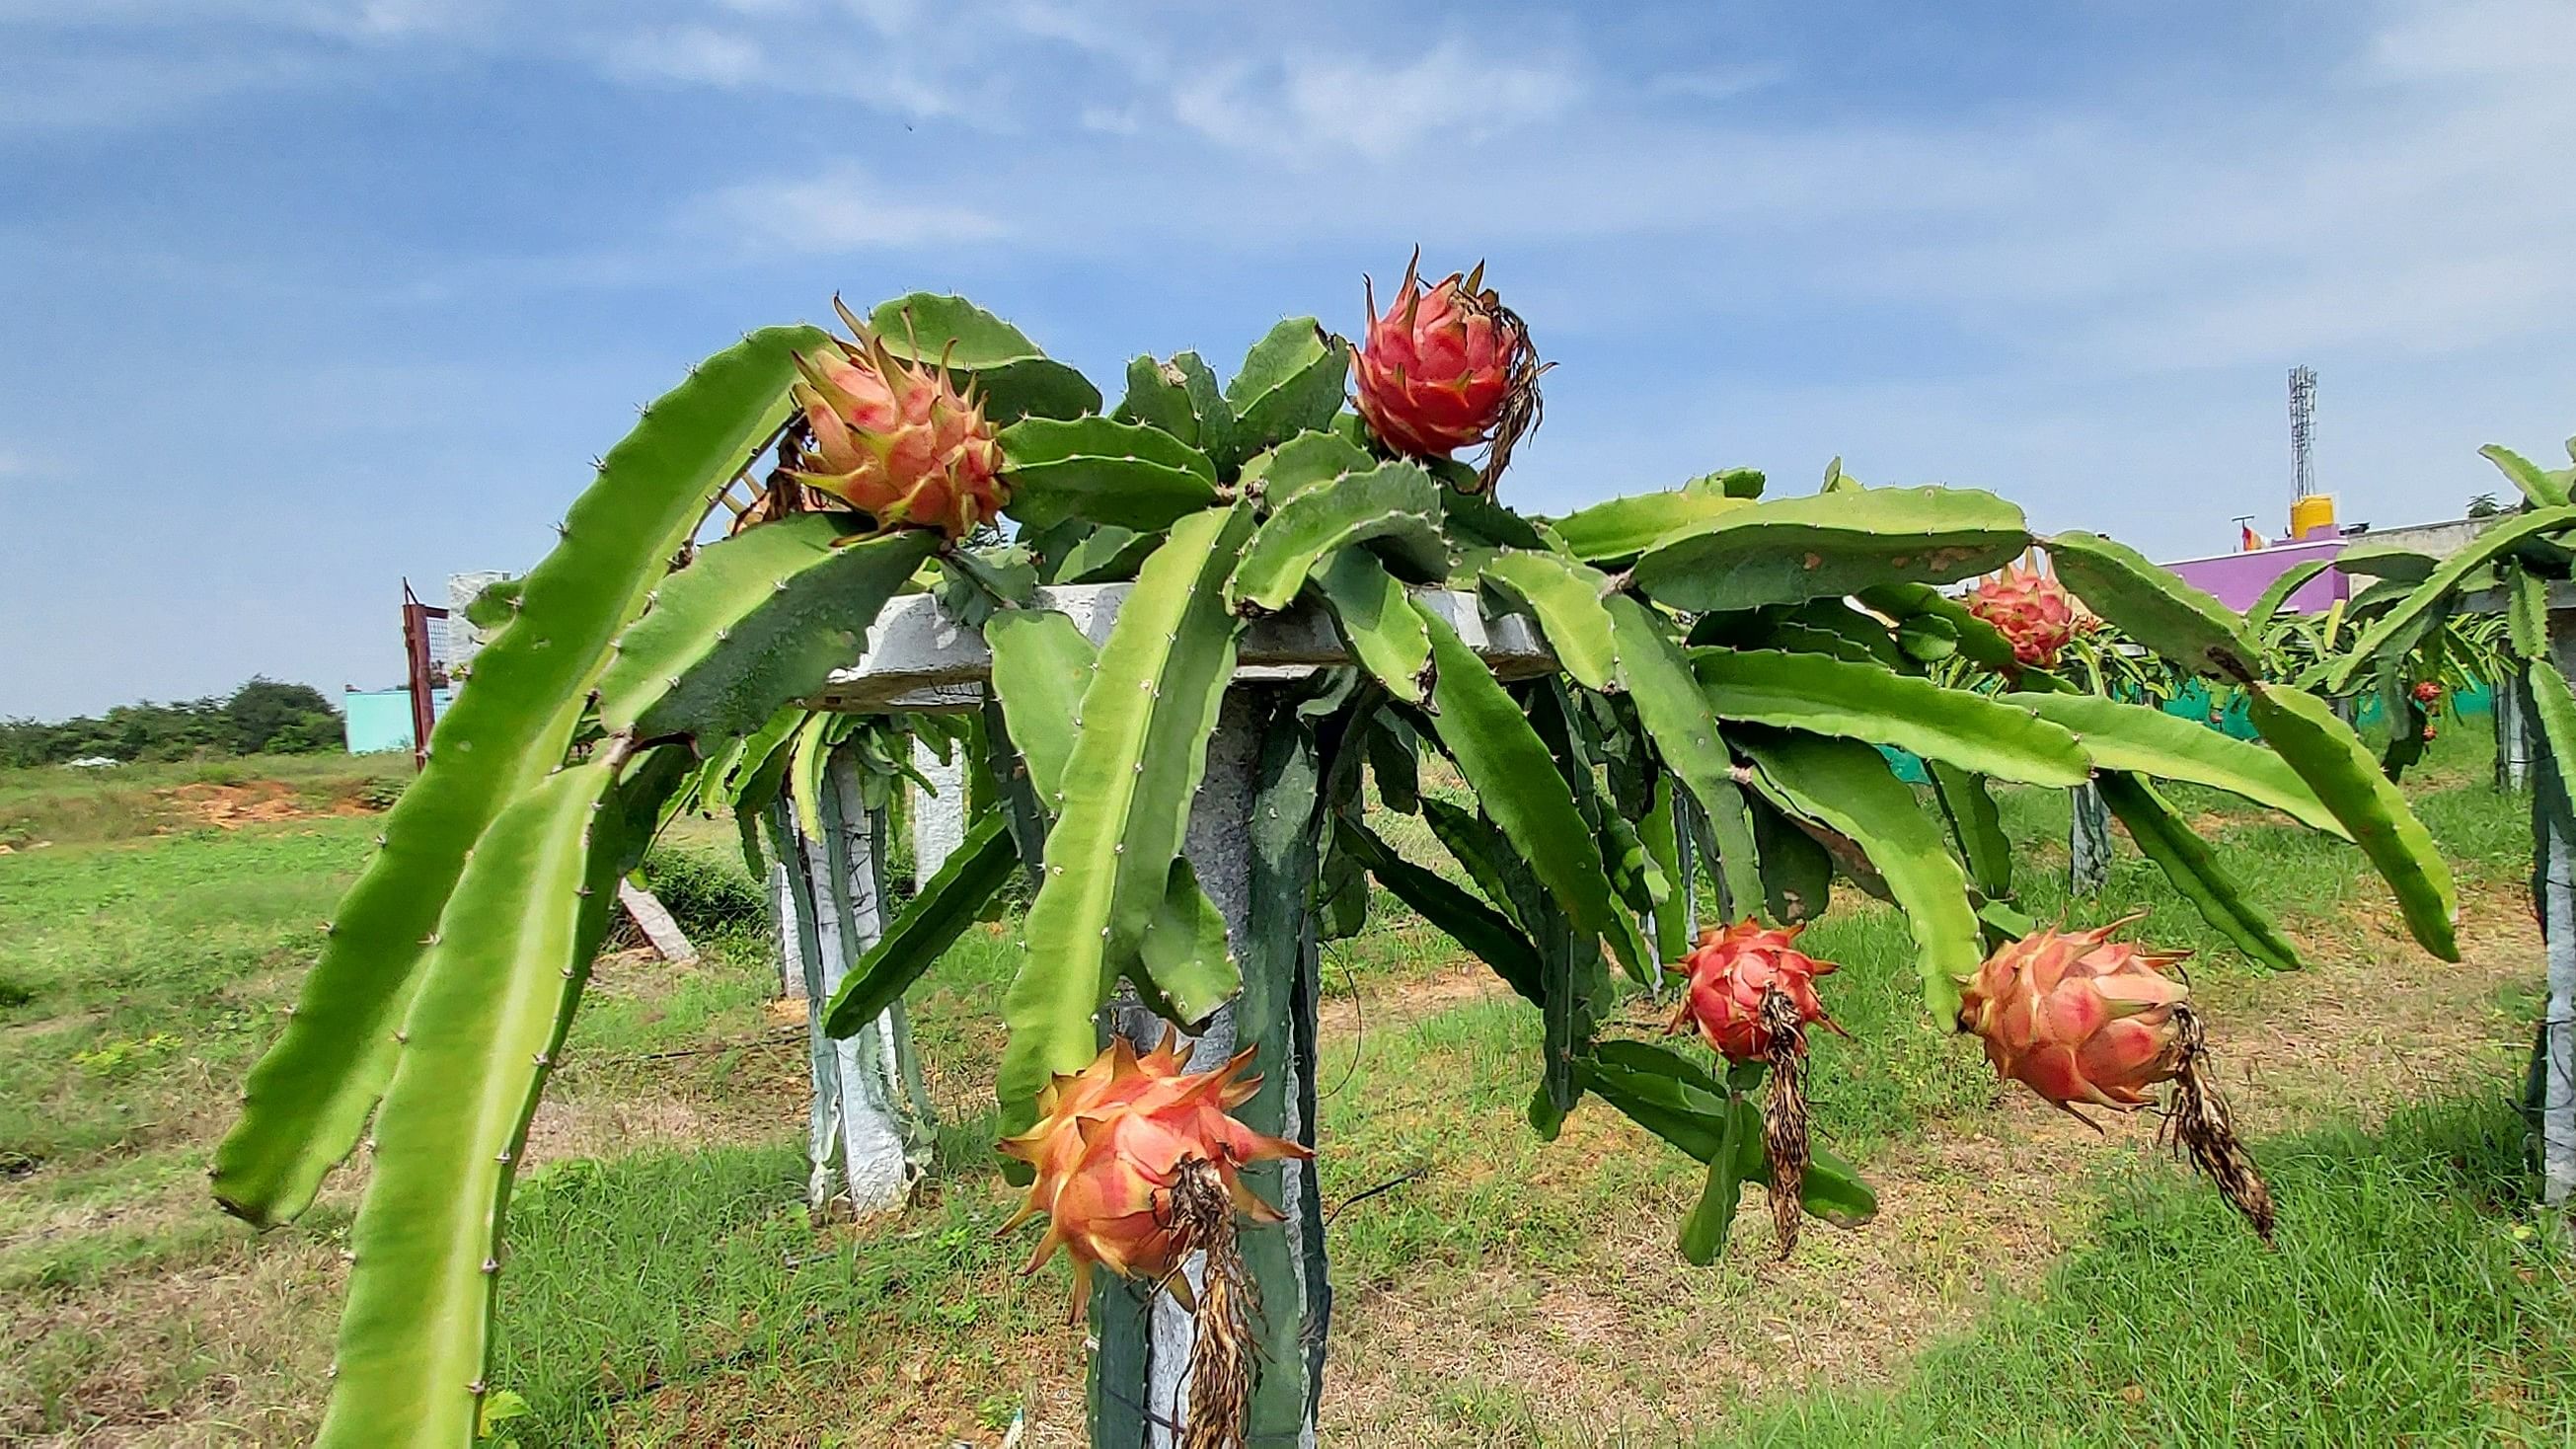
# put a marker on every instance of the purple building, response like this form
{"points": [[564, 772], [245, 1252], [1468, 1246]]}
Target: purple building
{"points": [[2238, 579]]}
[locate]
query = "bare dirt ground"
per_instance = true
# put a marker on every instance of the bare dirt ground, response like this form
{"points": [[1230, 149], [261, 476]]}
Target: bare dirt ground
{"points": [[2356, 1033], [258, 802]]}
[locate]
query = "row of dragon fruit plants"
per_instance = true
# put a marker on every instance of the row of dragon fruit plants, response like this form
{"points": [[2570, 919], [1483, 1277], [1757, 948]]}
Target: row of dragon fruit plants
{"points": [[1728, 664]]}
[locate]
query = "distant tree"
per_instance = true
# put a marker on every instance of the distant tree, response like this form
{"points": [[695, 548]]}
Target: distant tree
{"points": [[269, 716], [2484, 506], [263, 715]]}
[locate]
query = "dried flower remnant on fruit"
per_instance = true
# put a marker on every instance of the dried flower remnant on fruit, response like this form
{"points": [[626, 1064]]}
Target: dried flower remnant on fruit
{"points": [[1784, 1111]]}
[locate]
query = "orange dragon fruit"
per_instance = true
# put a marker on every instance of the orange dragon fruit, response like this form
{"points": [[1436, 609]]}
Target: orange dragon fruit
{"points": [[1109, 1146], [1730, 970], [1447, 368], [2030, 609], [2078, 1017], [896, 440]]}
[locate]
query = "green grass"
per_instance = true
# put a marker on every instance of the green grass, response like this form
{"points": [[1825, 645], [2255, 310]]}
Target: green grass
{"points": [[2415, 1297], [144, 976], [677, 1293]]}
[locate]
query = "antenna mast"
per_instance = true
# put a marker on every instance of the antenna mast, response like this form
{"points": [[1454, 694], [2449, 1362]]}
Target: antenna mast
{"points": [[2303, 432]]}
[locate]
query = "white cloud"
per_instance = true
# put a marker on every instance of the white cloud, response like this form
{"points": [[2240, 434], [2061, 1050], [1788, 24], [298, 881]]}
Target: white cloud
{"points": [[693, 53], [1449, 98], [840, 210], [2478, 38], [857, 50], [1716, 83]]}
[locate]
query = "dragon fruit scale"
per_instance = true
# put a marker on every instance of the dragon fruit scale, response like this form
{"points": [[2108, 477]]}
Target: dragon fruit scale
{"points": [[1446, 367], [896, 440], [2031, 610], [1109, 1147]]}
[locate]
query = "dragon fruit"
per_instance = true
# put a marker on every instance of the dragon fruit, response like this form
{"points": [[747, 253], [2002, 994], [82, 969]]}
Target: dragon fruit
{"points": [[1448, 367], [1730, 970], [1752, 996], [1111, 1143], [2077, 1016], [2427, 690], [2031, 610], [894, 439]]}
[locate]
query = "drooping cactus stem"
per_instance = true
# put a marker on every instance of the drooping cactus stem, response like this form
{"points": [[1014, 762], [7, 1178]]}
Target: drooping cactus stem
{"points": [[2197, 1122], [1784, 1111]]}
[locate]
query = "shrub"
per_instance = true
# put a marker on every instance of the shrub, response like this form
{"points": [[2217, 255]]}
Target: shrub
{"points": [[709, 893]]}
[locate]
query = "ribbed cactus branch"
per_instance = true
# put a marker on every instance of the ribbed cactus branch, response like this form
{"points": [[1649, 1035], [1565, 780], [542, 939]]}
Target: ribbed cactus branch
{"points": [[1143, 730], [2335, 765], [1391, 508], [1847, 786], [1826, 696], [757, 621], [308, 1099], [1617, 530], [1785, 550], [498, 991]]}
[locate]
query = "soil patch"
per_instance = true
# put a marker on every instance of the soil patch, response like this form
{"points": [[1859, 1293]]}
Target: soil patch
{"points": [[255, 802], [1976, 1207]]}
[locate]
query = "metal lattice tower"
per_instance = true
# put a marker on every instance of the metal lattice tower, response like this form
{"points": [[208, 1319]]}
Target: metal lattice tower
{"points": [[2303, 431]]}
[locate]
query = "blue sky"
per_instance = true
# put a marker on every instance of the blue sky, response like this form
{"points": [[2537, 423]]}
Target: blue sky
{"points": [[299, 297]]}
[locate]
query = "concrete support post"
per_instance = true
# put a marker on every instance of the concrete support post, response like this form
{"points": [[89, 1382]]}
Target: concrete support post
{"points": [[2513, 735], [1251, 841], [870, 1134], [2088, 842], [938, 819], [2554, 887]]}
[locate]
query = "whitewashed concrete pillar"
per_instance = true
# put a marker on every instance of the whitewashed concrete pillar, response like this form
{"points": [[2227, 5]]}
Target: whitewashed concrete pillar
{"points": [[1145, 1363], [2513, 735], [2088, 841], [869, 1132], [783, 912], [939, 813], [464, 641], [2554, 883]]}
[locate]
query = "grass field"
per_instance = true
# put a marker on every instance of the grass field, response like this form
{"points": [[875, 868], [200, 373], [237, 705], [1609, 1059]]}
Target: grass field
{"points": [[2026, 1282]]}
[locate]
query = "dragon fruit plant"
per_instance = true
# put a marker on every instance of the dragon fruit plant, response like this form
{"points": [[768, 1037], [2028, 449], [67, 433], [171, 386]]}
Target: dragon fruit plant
{"points": [[1725, 666]]}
